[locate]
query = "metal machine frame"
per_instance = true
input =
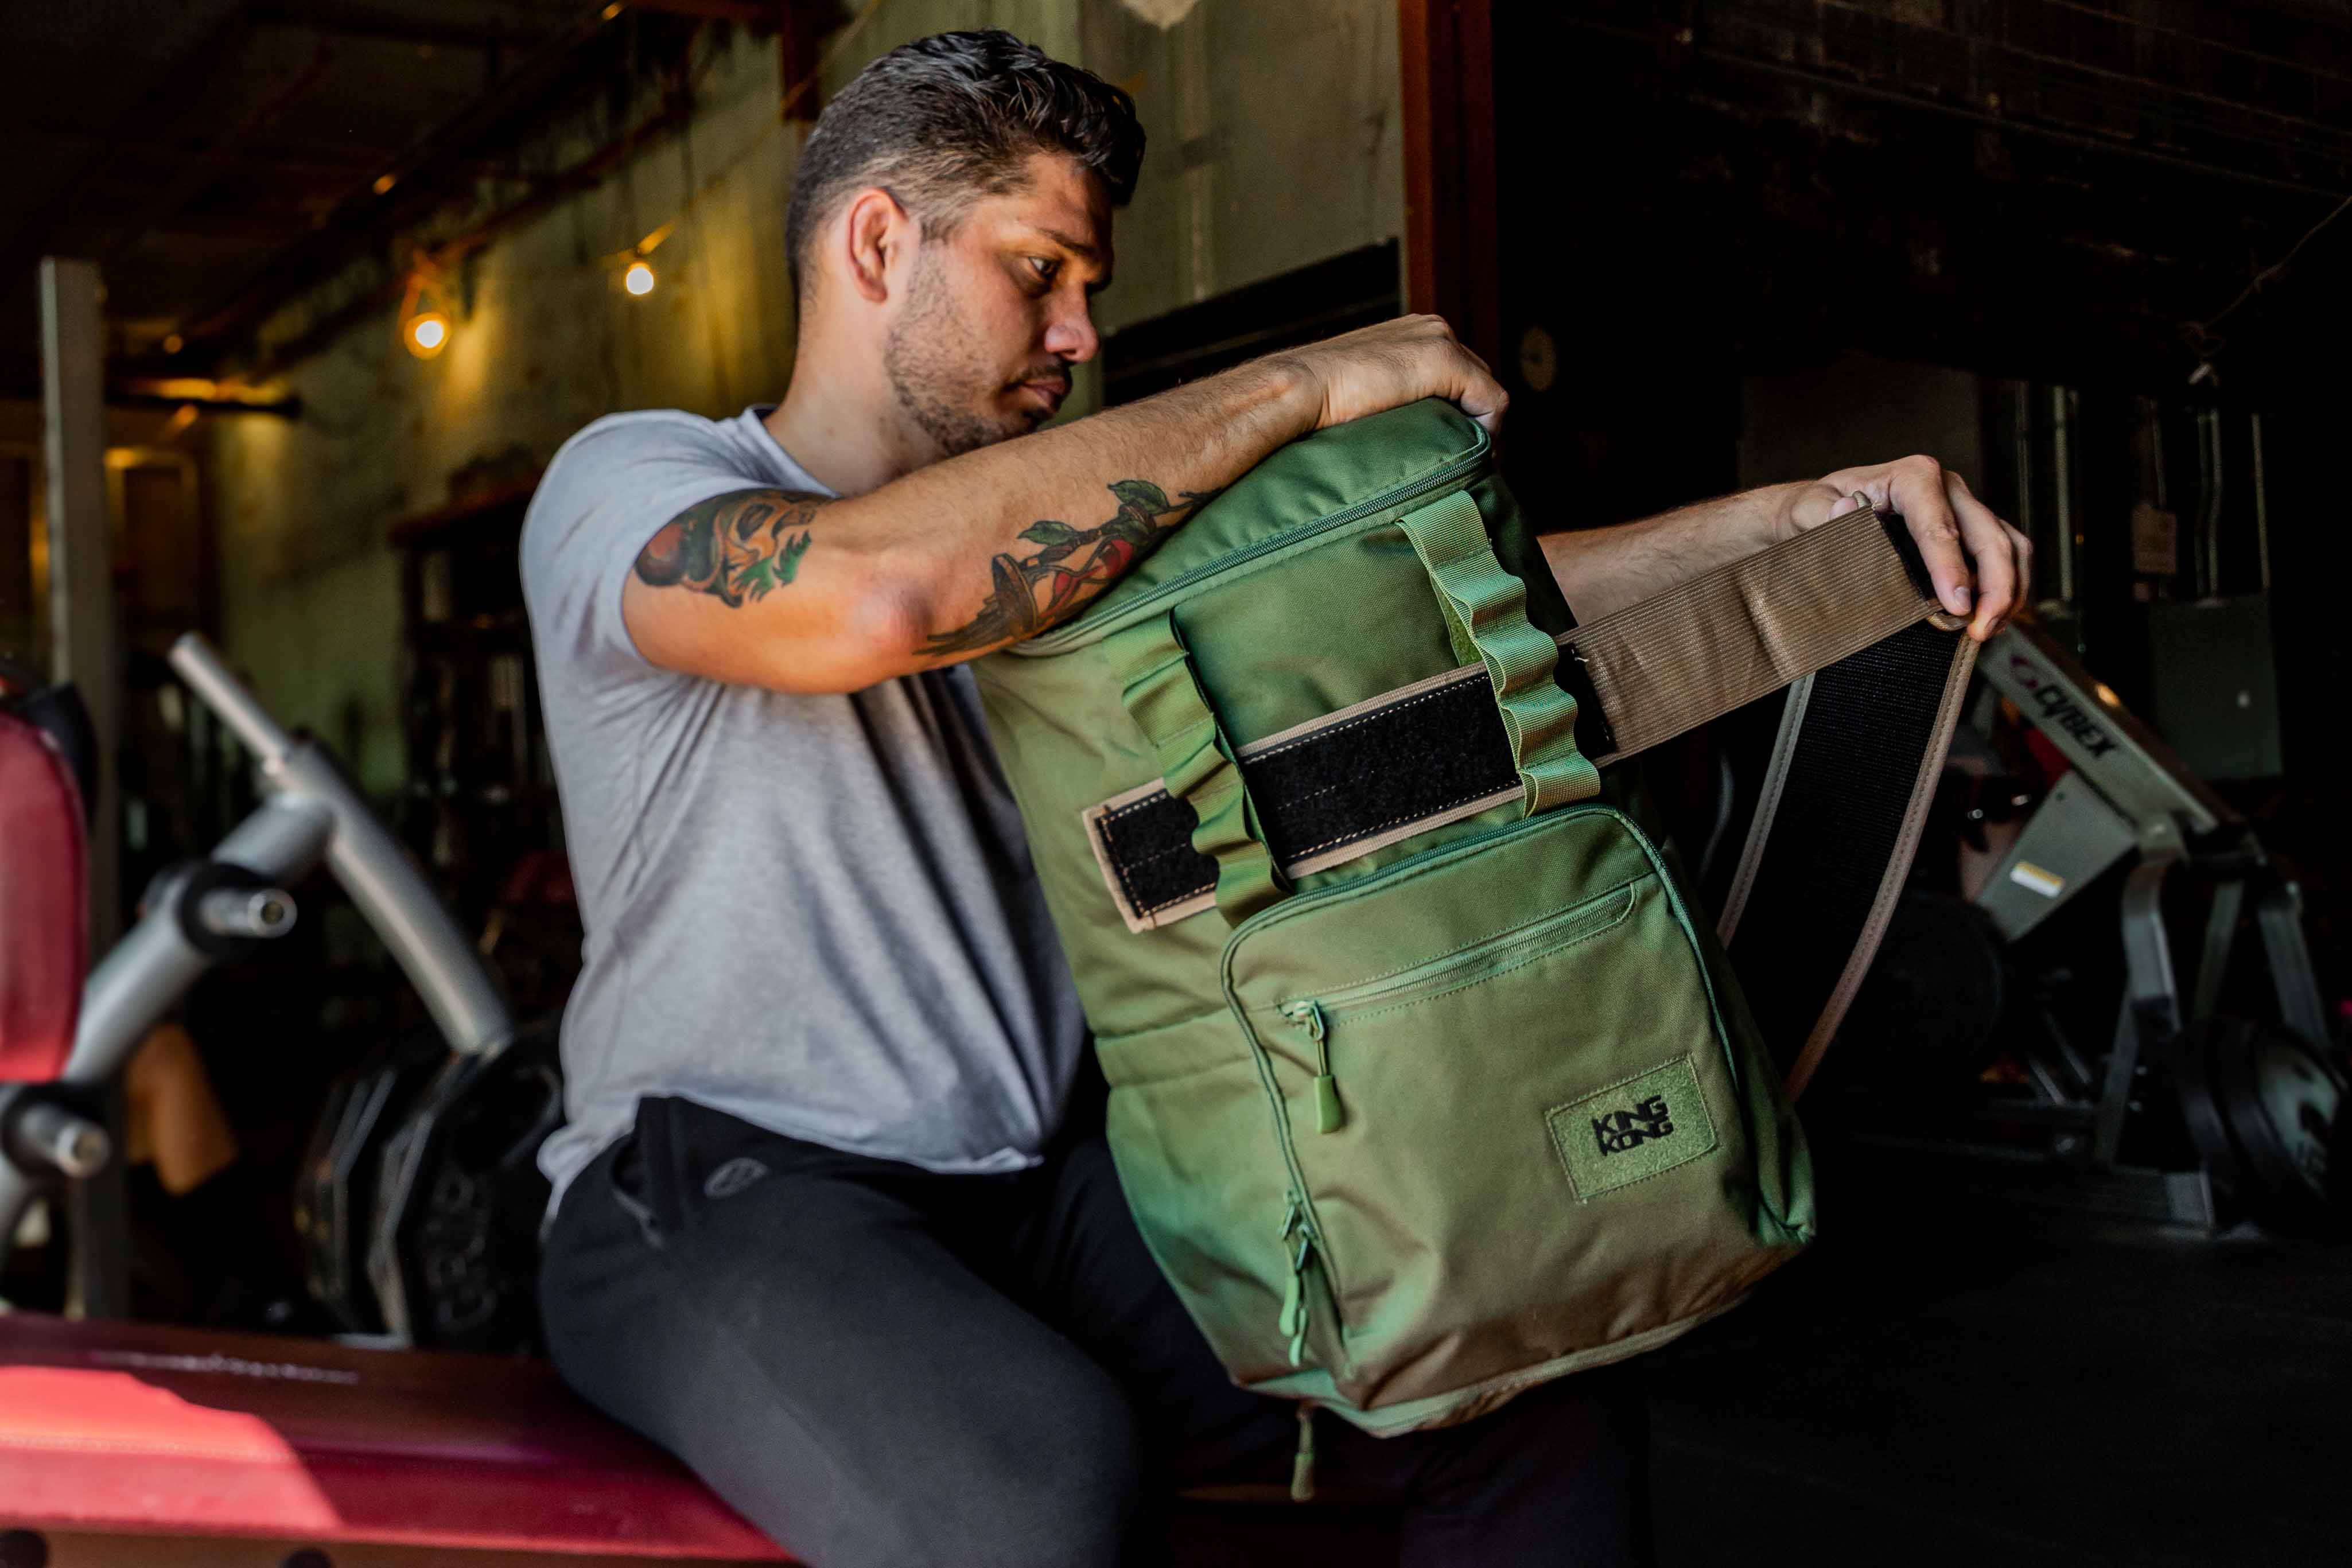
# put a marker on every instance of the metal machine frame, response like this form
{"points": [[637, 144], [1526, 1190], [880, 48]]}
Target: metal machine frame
{"points": [[213, 908], [2126, 793]]}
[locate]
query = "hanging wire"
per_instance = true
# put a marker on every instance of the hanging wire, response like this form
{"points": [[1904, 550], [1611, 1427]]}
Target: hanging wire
{"points": [[2201, 336]]}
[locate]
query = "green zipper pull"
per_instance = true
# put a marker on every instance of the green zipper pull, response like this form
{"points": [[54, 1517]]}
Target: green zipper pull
{"points": [[1307, 1014], [1294, 1300], [1302, 1468]]}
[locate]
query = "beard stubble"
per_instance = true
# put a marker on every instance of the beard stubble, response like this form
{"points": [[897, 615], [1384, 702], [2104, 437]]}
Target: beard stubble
{"points": [[933, 360]]}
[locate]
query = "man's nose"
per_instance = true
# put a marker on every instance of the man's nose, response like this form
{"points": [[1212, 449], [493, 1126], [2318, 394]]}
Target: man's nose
{"points": [[1071, 334]]}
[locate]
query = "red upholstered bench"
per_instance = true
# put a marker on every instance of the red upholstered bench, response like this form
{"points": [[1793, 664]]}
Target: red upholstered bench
{"points": [[123, 1428]]}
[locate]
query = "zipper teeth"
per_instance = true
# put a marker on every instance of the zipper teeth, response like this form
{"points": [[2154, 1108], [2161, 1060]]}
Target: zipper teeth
{"points": [[1510, 944], [1053, 641]]}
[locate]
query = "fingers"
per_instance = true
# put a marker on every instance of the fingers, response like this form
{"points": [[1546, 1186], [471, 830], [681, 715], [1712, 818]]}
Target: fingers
{"points": [[1916, 489], [1482, 397], [2022, 548], [1401, 362], [1465, 378], [1820, 501], [2001, 554]]}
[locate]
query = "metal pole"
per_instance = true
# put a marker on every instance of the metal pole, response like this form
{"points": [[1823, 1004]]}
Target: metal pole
{"points": [[81, 617], [2261, 505], [81, 549], [2021, 416], [2212, 542], [2062, 500], [457, 989]]}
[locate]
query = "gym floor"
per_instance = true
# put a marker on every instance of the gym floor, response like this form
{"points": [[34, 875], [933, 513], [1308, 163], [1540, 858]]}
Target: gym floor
{"points": [[2026, 1393]]}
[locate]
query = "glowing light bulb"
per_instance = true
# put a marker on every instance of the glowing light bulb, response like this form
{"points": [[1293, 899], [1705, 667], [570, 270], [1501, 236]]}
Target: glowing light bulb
{"points": [[638, 279], [427, 333]]}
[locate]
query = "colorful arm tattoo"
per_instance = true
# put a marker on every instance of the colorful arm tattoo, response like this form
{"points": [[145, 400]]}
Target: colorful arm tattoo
{"points": [[1054, 582], [736, 548]]}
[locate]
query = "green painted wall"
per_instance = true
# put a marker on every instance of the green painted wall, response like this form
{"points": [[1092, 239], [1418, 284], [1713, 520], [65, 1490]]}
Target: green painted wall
{"points": [[1275, 142]]}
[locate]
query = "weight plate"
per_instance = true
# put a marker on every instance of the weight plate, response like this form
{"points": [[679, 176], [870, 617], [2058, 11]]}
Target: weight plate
{"points": [[334, 1192], [2281, 1098], [1927, 1017], [453, 1253], [2262, 1106]]}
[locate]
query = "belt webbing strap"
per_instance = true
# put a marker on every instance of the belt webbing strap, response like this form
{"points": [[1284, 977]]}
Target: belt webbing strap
{"points": [[1838, 613]]}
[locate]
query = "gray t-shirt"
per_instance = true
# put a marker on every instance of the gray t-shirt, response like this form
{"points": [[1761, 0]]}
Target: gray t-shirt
{"points": [[815, 912]]}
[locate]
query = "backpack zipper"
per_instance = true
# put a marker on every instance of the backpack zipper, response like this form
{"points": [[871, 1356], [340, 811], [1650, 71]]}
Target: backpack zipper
{"points": [[1307, 1014], [1312, 1015], [1295, 1312], [1495, 954], [1396, 495]]}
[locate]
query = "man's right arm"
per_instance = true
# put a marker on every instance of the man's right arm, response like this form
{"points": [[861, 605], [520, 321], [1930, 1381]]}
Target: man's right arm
{"points": [[804, 593]]}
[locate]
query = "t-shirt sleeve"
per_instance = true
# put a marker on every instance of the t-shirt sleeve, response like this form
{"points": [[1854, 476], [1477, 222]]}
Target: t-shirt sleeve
{"points": [[609, 491]]}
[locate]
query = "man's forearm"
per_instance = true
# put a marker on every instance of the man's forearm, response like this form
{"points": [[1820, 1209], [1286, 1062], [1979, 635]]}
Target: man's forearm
{"points": [[812, 593], [1017, 536], [1603, 570]]}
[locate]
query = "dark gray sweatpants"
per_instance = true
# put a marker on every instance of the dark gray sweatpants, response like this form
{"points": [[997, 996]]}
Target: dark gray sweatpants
{"points": [[878, 1366]]}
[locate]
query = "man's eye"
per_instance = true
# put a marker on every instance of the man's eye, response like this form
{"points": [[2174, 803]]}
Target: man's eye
{"points": [[1045, 267]]}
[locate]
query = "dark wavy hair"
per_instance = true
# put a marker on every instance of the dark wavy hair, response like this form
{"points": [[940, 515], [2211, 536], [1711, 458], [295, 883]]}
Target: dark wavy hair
{"points": [[946, 120]]}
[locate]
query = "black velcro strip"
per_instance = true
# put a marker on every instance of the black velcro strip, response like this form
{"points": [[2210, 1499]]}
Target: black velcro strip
{"points": [[1871, 718], [1354, 781]]}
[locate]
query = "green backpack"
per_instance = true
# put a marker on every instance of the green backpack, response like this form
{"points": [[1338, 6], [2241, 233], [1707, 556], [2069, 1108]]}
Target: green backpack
{"points": [[1428, 1082]]}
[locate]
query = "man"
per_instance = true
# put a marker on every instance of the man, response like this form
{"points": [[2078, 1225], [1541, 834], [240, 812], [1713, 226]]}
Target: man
{"points": [[821, 1227]]}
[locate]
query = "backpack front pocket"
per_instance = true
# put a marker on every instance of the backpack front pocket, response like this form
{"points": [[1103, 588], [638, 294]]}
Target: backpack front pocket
{"points": [[1519, 1153]]}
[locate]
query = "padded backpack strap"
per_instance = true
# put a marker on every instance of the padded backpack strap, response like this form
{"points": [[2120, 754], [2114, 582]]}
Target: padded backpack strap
{"points": [[1162, 693], [1486, 619], [1860, 745]]}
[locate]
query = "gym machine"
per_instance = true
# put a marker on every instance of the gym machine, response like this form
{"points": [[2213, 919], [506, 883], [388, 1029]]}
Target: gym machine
{"points": [[2193, 1114], [416, 1244]]}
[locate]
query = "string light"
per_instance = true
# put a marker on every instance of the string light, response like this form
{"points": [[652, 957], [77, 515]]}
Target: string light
{"points": [[638, 274], [425, 329], [424, 325]]}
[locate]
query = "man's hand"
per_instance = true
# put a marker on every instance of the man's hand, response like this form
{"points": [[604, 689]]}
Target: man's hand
{"points": [[1981, 566], [1400, 361]]}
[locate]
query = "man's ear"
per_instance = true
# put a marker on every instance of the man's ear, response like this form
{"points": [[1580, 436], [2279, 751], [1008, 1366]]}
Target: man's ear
{"points": [[875, 232]]}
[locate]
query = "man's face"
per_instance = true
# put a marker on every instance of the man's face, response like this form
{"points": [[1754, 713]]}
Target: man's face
{"points": [[997, 312]]}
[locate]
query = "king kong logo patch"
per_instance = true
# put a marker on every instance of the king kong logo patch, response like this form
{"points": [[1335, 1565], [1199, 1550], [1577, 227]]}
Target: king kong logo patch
{"points": [[1620, 1132], [1635, 1128]]}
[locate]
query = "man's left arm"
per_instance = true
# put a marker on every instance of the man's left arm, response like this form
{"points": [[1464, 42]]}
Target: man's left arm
{"points": [[1982, 568]]}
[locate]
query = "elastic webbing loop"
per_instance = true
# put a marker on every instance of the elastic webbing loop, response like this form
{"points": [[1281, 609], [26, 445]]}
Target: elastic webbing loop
{"points": [[1162, 693], [1486, 608]]}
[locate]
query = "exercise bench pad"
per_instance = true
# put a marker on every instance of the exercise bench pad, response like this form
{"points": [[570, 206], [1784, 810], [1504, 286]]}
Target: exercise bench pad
{"points": [[122, 1428]]}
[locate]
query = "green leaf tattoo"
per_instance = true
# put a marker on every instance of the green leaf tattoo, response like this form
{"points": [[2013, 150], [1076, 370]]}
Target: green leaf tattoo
{"points": [[738, 548], [1029, 593]]}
